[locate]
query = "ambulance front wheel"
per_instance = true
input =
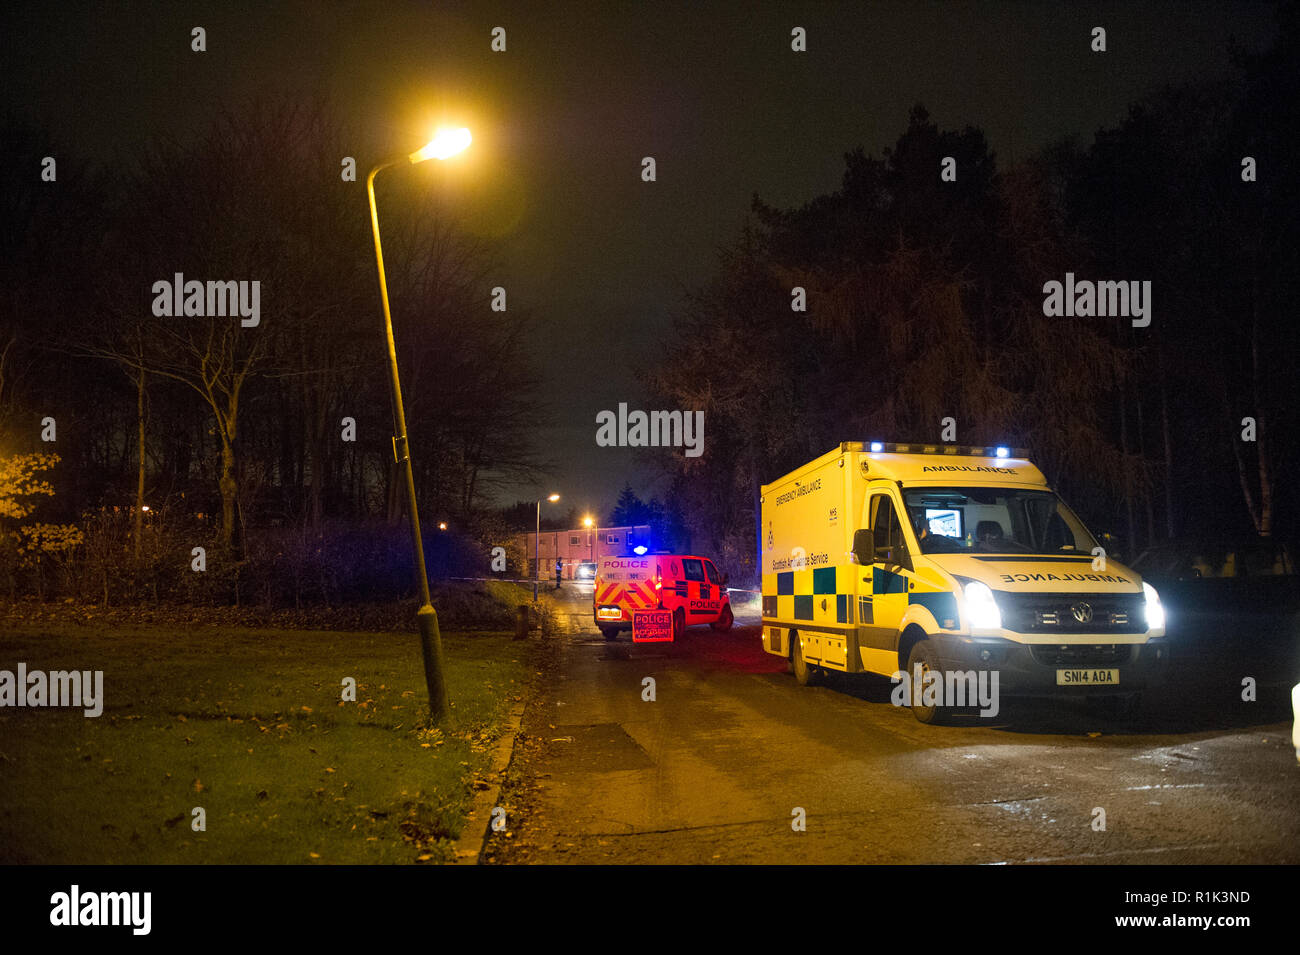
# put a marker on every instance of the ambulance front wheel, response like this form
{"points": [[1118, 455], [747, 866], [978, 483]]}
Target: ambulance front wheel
{"points": [[923, 656], [804, 673], [724, 621]]}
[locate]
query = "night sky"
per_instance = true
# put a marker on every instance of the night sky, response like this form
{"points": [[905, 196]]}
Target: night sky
{"points": [[562, 119]]}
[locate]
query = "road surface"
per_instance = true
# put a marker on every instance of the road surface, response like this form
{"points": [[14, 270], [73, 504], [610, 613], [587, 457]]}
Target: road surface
{"points": [[731, 754]]}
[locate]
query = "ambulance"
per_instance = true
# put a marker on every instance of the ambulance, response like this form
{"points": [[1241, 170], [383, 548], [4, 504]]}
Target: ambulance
{"points": [[910, 560], [688, 585]]}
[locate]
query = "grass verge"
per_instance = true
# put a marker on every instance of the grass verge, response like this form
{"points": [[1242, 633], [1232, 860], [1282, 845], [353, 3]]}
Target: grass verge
{"points": [[249, 726]]}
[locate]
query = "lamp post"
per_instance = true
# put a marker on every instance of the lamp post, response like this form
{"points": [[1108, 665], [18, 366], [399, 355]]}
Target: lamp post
{"points": [[586, 522], [445, 144], [537, 545]]}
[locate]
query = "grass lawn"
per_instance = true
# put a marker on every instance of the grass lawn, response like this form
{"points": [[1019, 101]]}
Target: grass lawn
{"points": [[249, 725]]}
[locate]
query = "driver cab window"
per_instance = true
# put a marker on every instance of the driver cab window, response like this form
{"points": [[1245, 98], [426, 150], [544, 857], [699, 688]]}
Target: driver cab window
{"points": [[714, 576], [885, 529]]}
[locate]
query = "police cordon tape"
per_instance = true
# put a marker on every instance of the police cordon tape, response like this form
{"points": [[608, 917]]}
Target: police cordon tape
{"points": [[508, 580], [530, 580]]}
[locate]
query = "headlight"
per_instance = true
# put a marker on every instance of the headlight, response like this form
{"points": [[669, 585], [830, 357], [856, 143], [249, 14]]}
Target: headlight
{"points": [[981, 608], [1155, 611]]}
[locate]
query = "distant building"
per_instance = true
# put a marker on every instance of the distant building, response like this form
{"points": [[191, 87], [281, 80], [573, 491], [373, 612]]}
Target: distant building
{"points": [[583, 544]]}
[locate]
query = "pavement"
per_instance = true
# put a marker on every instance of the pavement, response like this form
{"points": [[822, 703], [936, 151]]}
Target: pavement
{"points": [[733, 762]]}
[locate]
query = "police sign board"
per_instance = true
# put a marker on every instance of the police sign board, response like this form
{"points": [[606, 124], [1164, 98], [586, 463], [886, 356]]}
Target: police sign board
{"points": [[652, 626]]}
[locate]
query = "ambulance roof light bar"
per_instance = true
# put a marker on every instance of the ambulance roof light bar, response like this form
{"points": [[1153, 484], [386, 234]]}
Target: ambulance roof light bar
{"points": [[968, 450]]}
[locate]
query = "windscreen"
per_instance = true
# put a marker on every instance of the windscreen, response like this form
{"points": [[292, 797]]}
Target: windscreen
{"points": [[994, 520], [625, 568]]}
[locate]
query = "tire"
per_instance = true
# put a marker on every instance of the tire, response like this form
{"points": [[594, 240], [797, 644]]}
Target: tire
{"points": [[724, 621], [679, 624], [610, 633], [804, 673], [923, 655]]}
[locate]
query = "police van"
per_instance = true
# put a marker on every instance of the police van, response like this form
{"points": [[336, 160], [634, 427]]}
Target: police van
{"points": [[688, 585], [913, 559]]}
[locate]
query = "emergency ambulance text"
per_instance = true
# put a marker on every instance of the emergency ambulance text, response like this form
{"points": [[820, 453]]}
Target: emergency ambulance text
{"points": [[1097, 578], [799, 491]]}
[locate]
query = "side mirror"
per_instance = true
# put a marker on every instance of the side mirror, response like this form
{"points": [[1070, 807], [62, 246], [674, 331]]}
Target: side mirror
{"points": [[895, 556], [864, 546]]}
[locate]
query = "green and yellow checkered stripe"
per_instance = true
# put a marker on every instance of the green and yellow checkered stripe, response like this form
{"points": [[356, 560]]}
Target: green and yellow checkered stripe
{"points": [[810, 594]]}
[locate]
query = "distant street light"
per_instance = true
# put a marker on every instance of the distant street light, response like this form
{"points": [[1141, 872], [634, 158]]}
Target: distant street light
{"points": [[537, 545], [587, 522], [445, 143]]}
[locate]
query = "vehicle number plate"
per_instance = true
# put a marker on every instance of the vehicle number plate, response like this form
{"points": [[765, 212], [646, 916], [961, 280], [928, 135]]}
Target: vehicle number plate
{"points": [[1087, 677]]}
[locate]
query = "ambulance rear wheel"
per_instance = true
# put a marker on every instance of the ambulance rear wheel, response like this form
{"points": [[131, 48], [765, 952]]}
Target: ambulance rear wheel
{"points": [[923, 656], [679, 623], [804, 673], [724, 621], [611, 633]]}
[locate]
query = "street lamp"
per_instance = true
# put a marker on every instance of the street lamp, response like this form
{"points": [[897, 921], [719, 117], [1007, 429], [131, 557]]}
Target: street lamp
{"points": [[537, 545], [587, 522], [446, 143]]}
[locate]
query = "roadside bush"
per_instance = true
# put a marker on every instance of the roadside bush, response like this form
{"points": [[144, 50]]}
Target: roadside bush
{"points": [[358, 572]]}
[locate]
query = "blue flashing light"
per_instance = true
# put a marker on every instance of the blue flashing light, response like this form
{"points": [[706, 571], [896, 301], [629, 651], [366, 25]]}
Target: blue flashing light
{"points": [[1002, 452], [877, 446], [640, 550]]}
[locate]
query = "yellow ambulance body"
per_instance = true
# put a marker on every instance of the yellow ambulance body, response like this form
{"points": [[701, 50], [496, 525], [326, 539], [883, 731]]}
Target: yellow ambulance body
{"points": [[889, 558]]}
